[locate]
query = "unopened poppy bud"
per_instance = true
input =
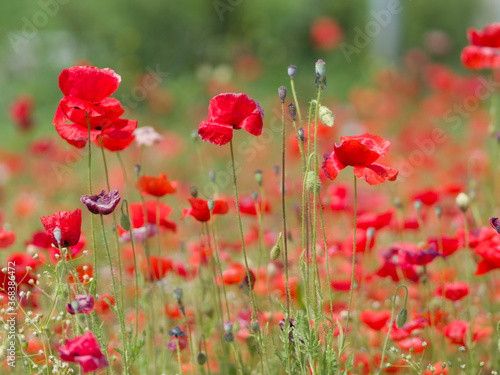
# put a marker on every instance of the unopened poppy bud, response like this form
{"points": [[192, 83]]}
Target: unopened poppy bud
{"points": [[258, 177], [125, 223], [463, 202], [282, 93], [292, 110], [320, 69], [137, 169], [178, 293], [417, 204], [194, 135], [401, 319], [255, 196], [292, 69], [398, 203], [276, 169], [194, 191], [212, 175], [211, 204], [439, 211], [275, 252], [326, 116], [312, 182], [201, 358], [370, 232], [254, 324], [57, 235]]}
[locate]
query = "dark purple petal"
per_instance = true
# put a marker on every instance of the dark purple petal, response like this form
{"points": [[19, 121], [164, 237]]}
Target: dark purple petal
{"points": [[495, 223], [101, 204]]}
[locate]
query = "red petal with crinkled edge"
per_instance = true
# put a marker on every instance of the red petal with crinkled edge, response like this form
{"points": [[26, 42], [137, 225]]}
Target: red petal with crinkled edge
{"points": [[474, 57], [121, 128], [76, 110], [76, 135], [89, 83], [483, 267], [231, 109], [253, 123], [376, 174], [215, 133], [332, 165], [361, 150], [114, 144], [489, 36]]}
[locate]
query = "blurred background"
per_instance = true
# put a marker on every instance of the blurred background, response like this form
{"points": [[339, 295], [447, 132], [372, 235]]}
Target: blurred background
{"points": [[174, 56]]}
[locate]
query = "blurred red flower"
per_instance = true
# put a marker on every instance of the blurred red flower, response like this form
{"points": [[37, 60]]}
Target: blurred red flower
{"points": [[453, 291], [227, 112], [21, 112], [484, 51], [7, 238], [85, 351], [326, 33], [360, 152], [156, 186], [200, 211]]}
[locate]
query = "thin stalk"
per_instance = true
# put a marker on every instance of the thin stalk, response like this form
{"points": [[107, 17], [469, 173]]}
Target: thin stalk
{"points": [[92, 223]]}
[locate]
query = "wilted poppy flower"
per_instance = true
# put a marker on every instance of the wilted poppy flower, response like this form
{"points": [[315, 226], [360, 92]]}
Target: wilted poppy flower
{"points": [[200, 211], [453, 291], [101, 204], [156, 186], [227, 112], [69, 223], [87, 101], [495, 223], [360, 152], [484, 51], [82, 304], [21, 112], [7, 238], [85, 351]]}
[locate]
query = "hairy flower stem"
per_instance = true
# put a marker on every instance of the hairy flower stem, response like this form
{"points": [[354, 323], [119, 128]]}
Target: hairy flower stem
{"points": [[391, 323], [249, 276], [470, 331], [115, 292], [217, 258], [92, 223], [329, 285], [353, 257], [179, 363], [283, 205]]}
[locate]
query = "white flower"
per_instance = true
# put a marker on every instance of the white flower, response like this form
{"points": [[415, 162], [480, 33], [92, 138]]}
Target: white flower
{"points": [[146, 136]]}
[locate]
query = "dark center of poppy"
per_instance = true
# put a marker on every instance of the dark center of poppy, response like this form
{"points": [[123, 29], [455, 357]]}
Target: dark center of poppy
{"points": [[98, 128]]}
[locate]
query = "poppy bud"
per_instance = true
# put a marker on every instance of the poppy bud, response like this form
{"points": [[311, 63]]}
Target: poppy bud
{"points": [[178, 293], [255, 196], [125, 223], [212, 175], [254, 324], [211, 204], [228, 327], [401, 319], [417, 204], [258, 177], [398, 203], [275, 252], [326, 116], [194, 191], [292, 110], [463, 202], [370, 232], [282, 93], [57, 235], [137, 169], [194, 135], [201, 358], [312, 182], [439, 211], [292, 69]]}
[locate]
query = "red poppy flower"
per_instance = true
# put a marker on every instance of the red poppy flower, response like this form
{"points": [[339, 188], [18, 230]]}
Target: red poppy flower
{"points": [[453, 291], [484, 51], [7, 238], [158, 267], [248, 206], [200, 211], [360, 152], [441, 368], [114, 144], [227, 112], [156, 186], [137, 214], [68, 222], [85, 351], [21, 112], [415, 344], [456, 331], [87, 101], [446, 244], [21, 274], [375, 320]]}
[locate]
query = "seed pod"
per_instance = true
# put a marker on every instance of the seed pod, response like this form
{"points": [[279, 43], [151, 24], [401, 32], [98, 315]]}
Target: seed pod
{"points": [[463, 202], [194, 191], [292, 69], [292, 110], [312, 182], [201, 358], [258, 176], [282, 93], [211, 204], [320, 69]]}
